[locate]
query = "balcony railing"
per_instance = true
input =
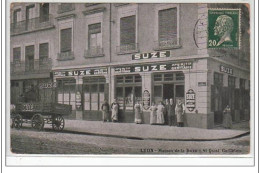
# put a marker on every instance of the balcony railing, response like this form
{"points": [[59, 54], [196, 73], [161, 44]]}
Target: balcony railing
{"points": [[127, 48], [28, 67], [66, 7], [32, 24], [94, 52], [63, 56], [167, 44]]}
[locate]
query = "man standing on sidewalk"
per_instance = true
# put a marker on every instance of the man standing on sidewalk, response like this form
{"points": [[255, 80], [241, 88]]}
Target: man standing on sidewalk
{"points": [[105, 111], [170, 111], [115, 110], [179, 111]]}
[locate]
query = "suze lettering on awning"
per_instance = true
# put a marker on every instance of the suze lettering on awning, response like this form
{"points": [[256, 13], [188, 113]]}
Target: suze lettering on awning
{"points": [[226, 69], [160, 54], [81, 72], [158, 67]]}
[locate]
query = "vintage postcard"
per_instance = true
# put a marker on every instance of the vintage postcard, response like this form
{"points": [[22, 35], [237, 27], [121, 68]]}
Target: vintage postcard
{"points": [[130, 79]]}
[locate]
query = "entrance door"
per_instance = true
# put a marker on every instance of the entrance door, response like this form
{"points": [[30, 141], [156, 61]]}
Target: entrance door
{"points": [[168, 91]]}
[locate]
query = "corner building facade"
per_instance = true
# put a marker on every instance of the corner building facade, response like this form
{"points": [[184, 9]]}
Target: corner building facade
{"points": [[147, 53]]}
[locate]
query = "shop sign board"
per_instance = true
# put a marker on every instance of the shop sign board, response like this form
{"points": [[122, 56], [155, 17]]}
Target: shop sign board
{"points": [[86, 72], [200, 84], [226, 70], [159, 54], [146, 99], [190, 100], [155, 67]]}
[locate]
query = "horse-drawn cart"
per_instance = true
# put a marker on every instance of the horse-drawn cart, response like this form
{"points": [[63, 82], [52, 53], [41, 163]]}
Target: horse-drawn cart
{"points": [[40, 113]]}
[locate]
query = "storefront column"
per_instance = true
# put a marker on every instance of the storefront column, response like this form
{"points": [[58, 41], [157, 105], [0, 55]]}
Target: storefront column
{"points": [[112, 86], [237, 110], [146, 86], [79, 98]]}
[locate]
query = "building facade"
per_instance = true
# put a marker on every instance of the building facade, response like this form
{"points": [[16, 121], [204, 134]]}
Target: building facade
{"points": [[147, 53]]}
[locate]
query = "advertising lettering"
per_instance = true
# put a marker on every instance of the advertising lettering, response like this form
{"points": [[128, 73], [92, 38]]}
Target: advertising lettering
{"points": [[226, 70], [161, 54], [190, 100], [81, 72]]}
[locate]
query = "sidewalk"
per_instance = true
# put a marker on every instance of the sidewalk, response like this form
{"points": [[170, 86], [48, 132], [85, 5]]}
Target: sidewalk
{"points": [[146, 131]]}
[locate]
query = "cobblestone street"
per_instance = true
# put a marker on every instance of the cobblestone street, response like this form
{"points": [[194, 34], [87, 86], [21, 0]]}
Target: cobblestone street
{"points": [[47, 142]]}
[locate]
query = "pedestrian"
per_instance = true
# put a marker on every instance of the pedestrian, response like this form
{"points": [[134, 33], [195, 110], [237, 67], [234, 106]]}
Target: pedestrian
{"points": [[160, 113], [153, 116], [167, 103], [115, 110], [138, 112], [179, 111], [170, 113], [227, 119], [105, 111]]}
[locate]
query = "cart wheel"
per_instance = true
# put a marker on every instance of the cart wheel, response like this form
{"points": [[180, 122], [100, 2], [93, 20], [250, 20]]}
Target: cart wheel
{"points": [[17, 121], [58, 123], [37, 122]]}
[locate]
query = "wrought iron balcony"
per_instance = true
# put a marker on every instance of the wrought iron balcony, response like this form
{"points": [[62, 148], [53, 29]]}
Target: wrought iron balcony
{"points": [[63, 56], [34, 24], [66, 7], [29, 67], [167, 44], [94, 52], [127, 48]]}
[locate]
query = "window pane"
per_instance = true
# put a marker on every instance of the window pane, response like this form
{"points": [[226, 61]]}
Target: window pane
{"points": [[158, 91], [129, 79], [129, 98], [158, 77], [168, 77], [43, 52], [94, 88], [138, 78], [65, 40], [101, 87], [127, 30], [17, 54], [179, 90], [119, 79], [138, 93], [179, 76], [119, 92]]}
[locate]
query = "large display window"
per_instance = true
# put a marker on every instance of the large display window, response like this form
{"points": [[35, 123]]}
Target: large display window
{"points": [[66, 92], [128, 91]]}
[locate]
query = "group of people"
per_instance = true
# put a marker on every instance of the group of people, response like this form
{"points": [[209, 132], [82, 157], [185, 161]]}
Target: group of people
{"points": [[168, 113], [164, 113]]}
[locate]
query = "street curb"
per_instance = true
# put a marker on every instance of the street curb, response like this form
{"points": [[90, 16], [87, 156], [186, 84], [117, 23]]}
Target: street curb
{"points": [[157, 139]]}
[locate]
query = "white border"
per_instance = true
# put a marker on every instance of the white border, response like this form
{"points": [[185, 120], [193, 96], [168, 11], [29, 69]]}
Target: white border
{"points": [[5, 47]]}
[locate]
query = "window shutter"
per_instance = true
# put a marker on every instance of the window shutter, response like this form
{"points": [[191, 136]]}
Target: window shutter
{"points": [[44, 50], [17, 54], [168, 24], [65, 40], [127, 30]]}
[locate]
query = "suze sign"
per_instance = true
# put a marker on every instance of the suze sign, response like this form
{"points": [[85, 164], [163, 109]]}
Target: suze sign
{"points": [[226, 70], [190, 100], [81, 72], [160, 54], [158, 67]]}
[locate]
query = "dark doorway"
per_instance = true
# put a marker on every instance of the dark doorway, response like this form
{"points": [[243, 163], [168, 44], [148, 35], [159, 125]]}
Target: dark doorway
{"points": [[168, 91]]}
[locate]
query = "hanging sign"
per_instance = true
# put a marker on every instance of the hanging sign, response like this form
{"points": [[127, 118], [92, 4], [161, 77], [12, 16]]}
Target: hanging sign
{"points": [[190, 100], [47, 85], [155, 67], [226, 69], [160, 54], [146, 100], [85, 72]]}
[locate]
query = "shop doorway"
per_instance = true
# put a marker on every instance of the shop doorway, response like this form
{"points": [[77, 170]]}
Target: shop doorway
{"points": [[168, 91]]}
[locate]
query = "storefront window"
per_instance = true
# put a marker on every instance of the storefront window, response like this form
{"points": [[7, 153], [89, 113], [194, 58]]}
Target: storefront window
{"points": [[179, 76], [168, 77], [128, 91], [94, 93], [158, 77], [66, 92], [180, 91]]}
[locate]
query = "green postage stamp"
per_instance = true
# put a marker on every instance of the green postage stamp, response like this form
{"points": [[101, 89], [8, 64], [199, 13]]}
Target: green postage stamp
{"points": [[223, 28]]}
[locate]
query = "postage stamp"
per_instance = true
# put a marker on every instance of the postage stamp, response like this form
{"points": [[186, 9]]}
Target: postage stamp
{"points": [[223, 28]]}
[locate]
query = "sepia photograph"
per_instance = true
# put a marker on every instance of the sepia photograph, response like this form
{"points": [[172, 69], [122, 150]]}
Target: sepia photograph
{"points": [[168, 79]]}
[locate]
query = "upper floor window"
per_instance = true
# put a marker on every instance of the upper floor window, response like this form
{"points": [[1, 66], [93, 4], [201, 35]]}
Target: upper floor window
{"points": [[65, 40], [167, 23], [128, 32], [242, 83], [17, 54], [30, 12], [218, 79], [17, 17], [94, 35], [43, 53], [44, 12], [231, 81], [66, 7]]}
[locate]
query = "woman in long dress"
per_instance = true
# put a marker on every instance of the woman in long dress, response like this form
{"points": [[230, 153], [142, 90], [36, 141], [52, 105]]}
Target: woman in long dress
{"points": [[138, 113], [227, 119], [160, 113], [115, 109], [153, 116]]}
